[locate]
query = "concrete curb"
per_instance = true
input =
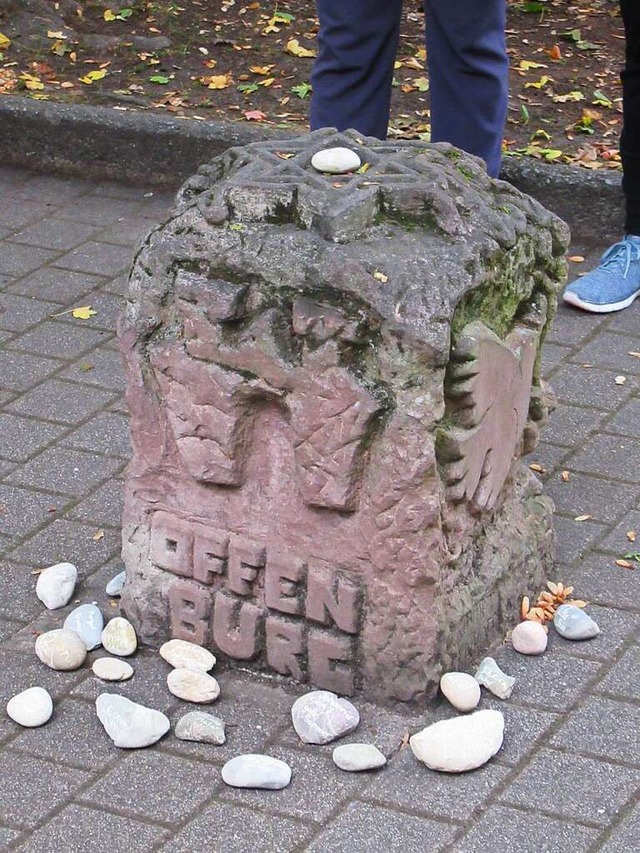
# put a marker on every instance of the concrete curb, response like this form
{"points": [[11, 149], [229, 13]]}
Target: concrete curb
{"points": [[103, 143]]}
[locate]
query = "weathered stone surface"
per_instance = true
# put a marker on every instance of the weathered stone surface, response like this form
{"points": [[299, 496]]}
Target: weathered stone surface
{"points": [[128, 724], [112, 669], [461, 689], [355, 757], [119, 637], [61, 649], [461, 744], [87, 621], [33, 707], [320, 717], [201, 727], [180, 653], [56, 584], [327, 480], [573, 623], [529, 638], [193, 685], [256, 771]]}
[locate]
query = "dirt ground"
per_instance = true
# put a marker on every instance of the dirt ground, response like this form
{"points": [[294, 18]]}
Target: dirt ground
{"points": [[239, 61]]}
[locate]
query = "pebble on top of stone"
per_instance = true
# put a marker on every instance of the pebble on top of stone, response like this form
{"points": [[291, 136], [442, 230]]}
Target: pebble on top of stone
{"points": [[128, 724], [61, 649], [201, 727], [336, 161], [461, 689], [87, 621], [529, 638], [33, 707], [355, 757], [256, 771], [461, 744], [56, 584], [490, 675], [320, 717], [573, 623], [193, 685], [116, 584], [112, 669], [119, 637], [181, 653]]}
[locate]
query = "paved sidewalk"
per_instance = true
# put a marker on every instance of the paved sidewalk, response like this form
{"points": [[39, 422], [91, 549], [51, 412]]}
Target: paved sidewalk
{"points": [[568, 777]]}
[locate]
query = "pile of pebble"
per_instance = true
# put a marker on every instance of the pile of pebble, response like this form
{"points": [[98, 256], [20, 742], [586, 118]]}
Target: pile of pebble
{"points": [[319, 717]]}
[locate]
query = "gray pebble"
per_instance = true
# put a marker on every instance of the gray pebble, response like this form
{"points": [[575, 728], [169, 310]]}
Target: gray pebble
{"points": [[201, 727], [573, 623], [256, 771], [88, 623], [355, 757]]}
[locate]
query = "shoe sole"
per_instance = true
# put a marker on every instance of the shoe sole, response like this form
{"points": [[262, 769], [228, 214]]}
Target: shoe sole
{"points": [[593, 308]]}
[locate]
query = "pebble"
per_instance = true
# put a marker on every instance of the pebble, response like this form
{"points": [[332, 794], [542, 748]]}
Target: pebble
{"points": [[200, 727], [256, 771], [490, 675], [112, 669], [86, 621], [128, 724], [31, 708], [181, 653], [193, 685], [461, 744], [336, 161], [115, 585], [573, 623], [320, 717], [461, 689], [61, 649], [56, 584], [119, 637], [529, 638], [355, 757]]}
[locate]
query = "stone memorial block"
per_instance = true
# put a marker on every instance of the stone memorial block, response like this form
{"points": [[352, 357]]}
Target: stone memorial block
{"points": [[332, 381]]}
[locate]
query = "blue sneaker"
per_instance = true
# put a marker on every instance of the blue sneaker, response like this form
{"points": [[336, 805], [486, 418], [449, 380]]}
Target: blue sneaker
{"points": [[611, 286]]}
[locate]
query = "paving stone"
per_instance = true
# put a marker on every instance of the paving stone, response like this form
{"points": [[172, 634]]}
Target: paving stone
{"points": [[61, 469], [127, 231], [609, 350], [62, 340], [102, 367], [142, 195], [105, 433], [551, 681], [604, 500], [552, 356], [99, 210], [573, 787], [237, 830], [505, 829], [406, 783], [571, 327], [68, 541], [8, 837], [605, 728], [20, 437], [623, 680], [627, 420], [570, 381], [62, 402], [21, 371], [610, 455], [14, 216], [102, 507], [624, 838], [625, 323], [60, 286], [118, 285], [8, 627], [33, 789], [524, 729], [363, 828], [107, 307], [74, 735], [78, 829], [617, 542], [617, 626], [574, 538], [131, 786], [568, 425], [52, 189], [91, 256], [24, 510], [17, 260], [18, 313], [18, 592], [597, 578], [54, 233]]}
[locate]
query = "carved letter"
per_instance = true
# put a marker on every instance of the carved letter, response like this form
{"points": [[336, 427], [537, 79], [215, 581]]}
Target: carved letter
{"points": [[171, 544], [333, 598], [245, 558], [281, 577], [284, 644], [330, 657], [189, 608], [209, 553], [236, 627]]}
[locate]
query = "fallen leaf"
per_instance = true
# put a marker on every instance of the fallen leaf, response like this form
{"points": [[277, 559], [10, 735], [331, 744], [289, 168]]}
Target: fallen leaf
{"points": [[576, 259], [83, 312], [620, 380], [565, 476], [535, 466], [98, 535], [631, 535], [634, 354], [294, 47], [5, 41], [254, 115], [380, 276], [554, 52], [625, 564], [92, 76], [217, 81], [582, 518]]}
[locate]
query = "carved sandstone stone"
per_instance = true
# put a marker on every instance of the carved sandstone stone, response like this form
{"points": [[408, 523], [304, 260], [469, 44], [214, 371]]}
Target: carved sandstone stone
{"points": [[332, 380]]}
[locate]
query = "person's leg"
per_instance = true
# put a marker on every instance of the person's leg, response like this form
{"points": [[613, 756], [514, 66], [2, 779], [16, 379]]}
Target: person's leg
{"points": [[352, 75], [468, 75]]}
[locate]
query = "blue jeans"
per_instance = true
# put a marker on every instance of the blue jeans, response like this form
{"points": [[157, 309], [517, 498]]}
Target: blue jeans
{"points": [[466, 58]]}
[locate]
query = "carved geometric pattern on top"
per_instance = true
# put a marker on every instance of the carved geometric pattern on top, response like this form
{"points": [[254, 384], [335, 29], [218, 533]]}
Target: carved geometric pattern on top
{"points": [[490, 393]]}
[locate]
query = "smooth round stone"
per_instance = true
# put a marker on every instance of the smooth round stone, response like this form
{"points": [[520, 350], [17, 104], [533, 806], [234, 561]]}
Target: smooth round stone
{"points": [[31, 708], [355, 757], [119, 637], [86, 621], [200, 727], [336, 161], [464, 743], [115, 585], [61, 649], [112, 669], [256, 771], [193, 685], [56, 584], [320, 717], [180, 653], [128, 724], [572, 623], [529, 638], [461, 689]]}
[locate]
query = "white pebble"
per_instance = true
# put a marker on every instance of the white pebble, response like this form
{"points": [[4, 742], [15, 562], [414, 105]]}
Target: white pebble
{"points": [[356, 757], [529, 638], [119, 637], [87, 621], [56, 584], [336, 161], [461, 744], [320, 717], [181, 653], [461, 689], [31, 708], [112, 669], [61, 649], [256, 771], [193, 685], [128, 724]]}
